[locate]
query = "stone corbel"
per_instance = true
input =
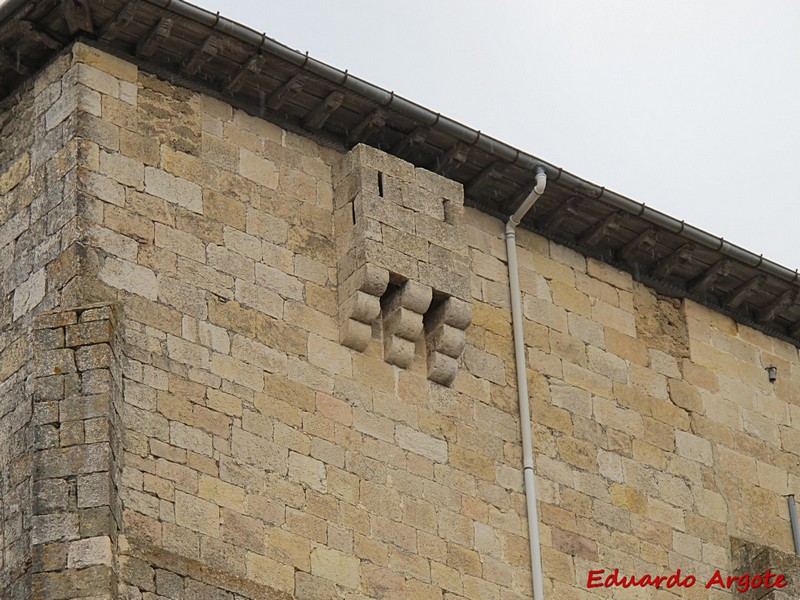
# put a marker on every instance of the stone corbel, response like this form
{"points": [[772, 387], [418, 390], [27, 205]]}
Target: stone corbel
{"points": [[446, 338], [403, 322], [361, 305]]}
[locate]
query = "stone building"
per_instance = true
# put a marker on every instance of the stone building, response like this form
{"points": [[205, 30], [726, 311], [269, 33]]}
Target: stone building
{"points": [[256, 342]]}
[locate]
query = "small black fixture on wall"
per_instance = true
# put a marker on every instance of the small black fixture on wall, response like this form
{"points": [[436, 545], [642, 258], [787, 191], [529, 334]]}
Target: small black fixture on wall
{"points": [[772, 373]]}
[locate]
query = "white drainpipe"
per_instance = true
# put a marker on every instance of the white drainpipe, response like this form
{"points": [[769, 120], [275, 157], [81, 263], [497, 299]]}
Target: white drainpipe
{"points": [[522, 382]]}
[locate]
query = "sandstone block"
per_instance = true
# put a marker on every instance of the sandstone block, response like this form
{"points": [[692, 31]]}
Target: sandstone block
{"points": [[186, 352], [336, 566], [221, 493], [15, 174], [173, 189], [258, 354], [422, 444], [442, 368], [93, 332], [694, 447], [329, 356], [270, 573], [238, 371], [257, 169], [121, 69], [125, 170], [285, 285], [263, 300], [89, 552], [308, 471], [225, 403], [28, 295], [334, 408], [54, 527], [196, 514], [128, 276], [190, 438]]}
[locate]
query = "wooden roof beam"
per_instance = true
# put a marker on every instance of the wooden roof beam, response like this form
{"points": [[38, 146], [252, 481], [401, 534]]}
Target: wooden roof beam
{"points": [[251, 67], [288, 90], [373, 122], [493, 172], [642, 242], [31, 32], [123, 17], [204, 53], [77, 15], [771, 310], [451, 160], [701, 284], [14, 63], [318, 116], [739, 295], [559, 213], [153, 38], [680, 257], [599, 230], [409, 143], [518, 197]]}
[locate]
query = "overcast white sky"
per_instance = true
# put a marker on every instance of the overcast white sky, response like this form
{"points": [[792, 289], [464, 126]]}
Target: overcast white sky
{"points": [[690, 106]]}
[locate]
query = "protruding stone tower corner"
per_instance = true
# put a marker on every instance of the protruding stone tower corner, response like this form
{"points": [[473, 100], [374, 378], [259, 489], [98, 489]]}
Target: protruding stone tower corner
{"points": [[76, 513], [402, 257]]}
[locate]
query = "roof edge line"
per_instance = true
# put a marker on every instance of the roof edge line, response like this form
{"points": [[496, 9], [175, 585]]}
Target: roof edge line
{"points": [[9, 7], [493, 146]]}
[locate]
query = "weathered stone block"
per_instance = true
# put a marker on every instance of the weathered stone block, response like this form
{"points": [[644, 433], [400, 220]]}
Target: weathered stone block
{"points": [[97, 356], [94, 490], [30, 294], [196, 514], [75, 460], [54, 527], [88, 552], [335, 566]]}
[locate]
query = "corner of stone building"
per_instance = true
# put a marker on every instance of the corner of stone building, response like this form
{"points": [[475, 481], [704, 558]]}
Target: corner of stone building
{"points": [[76, 459], [52, 522]]}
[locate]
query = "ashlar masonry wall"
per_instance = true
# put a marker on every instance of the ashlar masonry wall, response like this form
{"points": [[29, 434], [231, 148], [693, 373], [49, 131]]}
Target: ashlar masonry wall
{"points": [[39, 258], [258, 455], [659, 440], [292, 402]]}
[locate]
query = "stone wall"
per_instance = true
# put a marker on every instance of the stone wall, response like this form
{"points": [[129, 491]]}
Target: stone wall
{"points": [[658, 435], [255, 443], [76, 506], [38, 260]]}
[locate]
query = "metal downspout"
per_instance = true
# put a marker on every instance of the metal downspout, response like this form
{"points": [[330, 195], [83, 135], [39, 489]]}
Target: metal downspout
{"points": [[793, 521], [522, 382]]}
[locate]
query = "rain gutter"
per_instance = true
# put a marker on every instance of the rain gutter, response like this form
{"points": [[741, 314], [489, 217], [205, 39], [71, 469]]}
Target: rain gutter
{"points": [[465, 134], [9, 7]]}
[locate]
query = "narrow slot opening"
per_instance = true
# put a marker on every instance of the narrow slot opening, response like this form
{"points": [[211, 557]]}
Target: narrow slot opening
{"points": [[448, 211], [380, 184], [353, 212]]}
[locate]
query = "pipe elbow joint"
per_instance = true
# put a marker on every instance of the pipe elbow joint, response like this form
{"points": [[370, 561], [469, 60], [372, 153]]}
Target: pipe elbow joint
{"points": [[541, 181]]}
